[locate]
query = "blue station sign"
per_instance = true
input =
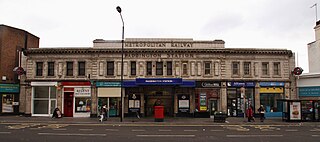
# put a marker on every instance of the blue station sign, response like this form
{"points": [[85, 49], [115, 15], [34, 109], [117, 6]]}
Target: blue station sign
{"points": [[159, 81], [272, 84], [241, 84]]}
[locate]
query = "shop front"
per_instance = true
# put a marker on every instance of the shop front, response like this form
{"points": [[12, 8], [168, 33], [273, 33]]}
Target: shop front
{"points": [[240, 95], [174, 94], [76, 99], [9, 98], [109, 94], [310, 103], [44, 98], [270, 92], [207, 95]]}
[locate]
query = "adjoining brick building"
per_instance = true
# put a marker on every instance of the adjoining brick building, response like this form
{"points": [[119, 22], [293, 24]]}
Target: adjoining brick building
{"points": [[13, 42], [187, 77]]}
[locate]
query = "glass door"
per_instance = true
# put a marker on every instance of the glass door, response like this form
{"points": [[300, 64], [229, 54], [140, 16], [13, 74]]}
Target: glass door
{"points": [[7, 103]]}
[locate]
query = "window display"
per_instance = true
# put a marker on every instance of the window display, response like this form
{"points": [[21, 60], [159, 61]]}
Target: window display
{"points": [[83, 104]]}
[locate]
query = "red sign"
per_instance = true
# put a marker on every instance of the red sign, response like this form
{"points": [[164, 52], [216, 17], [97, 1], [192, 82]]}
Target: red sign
{"points": [[297, 71], [87, 83]]}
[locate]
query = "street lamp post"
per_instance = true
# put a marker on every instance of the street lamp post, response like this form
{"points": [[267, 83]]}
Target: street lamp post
{"points": [[121, 78]]}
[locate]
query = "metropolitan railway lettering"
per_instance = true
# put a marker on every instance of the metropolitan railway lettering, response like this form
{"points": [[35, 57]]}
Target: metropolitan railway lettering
{"points": [[157, 55], [158, 44]]}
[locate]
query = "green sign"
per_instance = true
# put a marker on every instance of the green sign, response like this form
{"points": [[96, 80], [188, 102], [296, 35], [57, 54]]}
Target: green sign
{"points": [[9, 88], [108, 84]]}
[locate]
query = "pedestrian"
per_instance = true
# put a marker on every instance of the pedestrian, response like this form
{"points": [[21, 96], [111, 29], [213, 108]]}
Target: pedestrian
{"points": [[103, 113], [56, 113], [261, 111], [250, 114]]}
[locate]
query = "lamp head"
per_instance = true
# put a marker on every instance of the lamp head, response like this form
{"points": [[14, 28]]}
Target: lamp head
{"points": [[119, 9]]}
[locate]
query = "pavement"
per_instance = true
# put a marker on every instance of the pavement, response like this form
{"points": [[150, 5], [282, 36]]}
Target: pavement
{"points": [[168, 121]]}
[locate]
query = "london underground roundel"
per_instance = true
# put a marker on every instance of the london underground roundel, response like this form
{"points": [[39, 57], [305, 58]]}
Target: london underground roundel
{"points": [[297, 71]]}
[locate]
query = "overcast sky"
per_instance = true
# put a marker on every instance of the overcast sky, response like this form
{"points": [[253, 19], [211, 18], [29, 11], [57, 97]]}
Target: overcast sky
{"points": [[285, 24]]}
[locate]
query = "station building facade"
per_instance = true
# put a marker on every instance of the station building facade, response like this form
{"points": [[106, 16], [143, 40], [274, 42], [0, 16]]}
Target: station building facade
{"points": [[189, 78]]}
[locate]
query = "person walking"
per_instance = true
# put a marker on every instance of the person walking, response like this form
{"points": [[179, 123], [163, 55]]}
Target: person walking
{"points": [[261, 111], [103, 113], [250, 114]]}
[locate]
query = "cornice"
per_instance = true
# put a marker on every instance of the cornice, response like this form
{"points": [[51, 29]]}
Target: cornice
{"points": [[60, 51]]}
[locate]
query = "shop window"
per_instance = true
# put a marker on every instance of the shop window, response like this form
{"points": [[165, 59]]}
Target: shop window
{"points": [[169, 68], [82, 104], [81, 68], [235, 68], [44, 99], [50, 68], [110, 68], [276, 69], [265, 68], [133, 68], [7, 103], [39, 68], [149, 68], [69, 68], [207, 68], [247, 68], [269, 101], [159, 68]]}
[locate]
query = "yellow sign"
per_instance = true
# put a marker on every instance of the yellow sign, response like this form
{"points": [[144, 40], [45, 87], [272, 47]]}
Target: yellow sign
{"points": [[271, 90], [203, 108]]}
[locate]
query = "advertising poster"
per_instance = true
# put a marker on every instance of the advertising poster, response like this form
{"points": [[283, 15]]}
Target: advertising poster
{"points": [[203, 102], [295, 113]]}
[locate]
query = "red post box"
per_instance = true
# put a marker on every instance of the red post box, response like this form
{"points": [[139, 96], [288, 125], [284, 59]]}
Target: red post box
{"points": [[158, 113]]}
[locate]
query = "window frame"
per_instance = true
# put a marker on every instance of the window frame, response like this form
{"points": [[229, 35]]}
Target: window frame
{"points": [[50, 68], [39, 68], [133, 68], [277, 68], [149, 68], [207, 69], [159, 68], [110, 68], [265, 68], [81, 68], [235, 70], [247, 68], [169, 68], [69, 70]]}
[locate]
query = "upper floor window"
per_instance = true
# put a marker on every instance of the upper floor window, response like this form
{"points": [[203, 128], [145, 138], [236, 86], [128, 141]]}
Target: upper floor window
{"points": [[184, 68], [169, 68], [133, 68], [265, 68], [149, 68], [81, 68], [110, 68], [207, 68], [247, 68], [69, 68], [39, 68], [276, 68], [50, 68], [159, 68], [235, 68]]}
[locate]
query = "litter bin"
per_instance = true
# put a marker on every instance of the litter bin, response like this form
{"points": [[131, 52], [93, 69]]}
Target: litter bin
{"points": [[220, 117], [158, 113]]}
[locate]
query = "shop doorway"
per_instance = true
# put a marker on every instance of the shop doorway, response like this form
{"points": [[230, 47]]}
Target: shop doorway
{"points": [[213, 106], [232, 107], [68, 104]]}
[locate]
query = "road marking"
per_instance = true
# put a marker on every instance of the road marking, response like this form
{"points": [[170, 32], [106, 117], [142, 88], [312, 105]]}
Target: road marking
{"points": [[5, 132], [315, 130], [165, 135], [291, 130], [242, 136], [112, 130], [190, 130], [138, 130], [85, 129], [71, 134], [60, 129], [216, 130], [161, 130], [315, 135]]}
